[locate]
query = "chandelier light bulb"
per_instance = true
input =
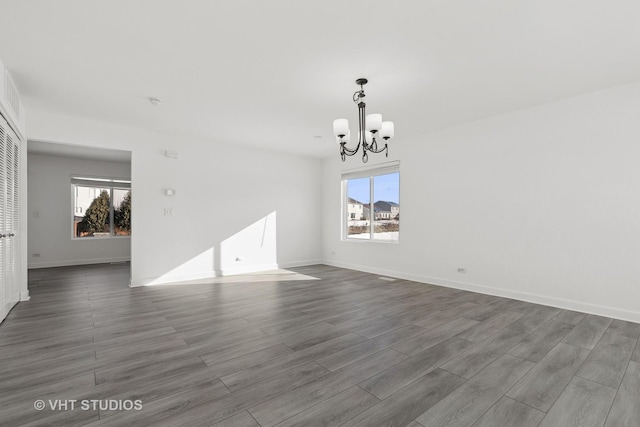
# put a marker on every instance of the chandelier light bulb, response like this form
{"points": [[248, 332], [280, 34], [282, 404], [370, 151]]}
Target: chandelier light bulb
{"points": [[340, 127], [374, 122], [387, 130], [346, 138]]}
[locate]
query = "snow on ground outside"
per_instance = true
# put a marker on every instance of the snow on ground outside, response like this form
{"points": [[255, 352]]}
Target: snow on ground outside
{"points": [[391, 235]]}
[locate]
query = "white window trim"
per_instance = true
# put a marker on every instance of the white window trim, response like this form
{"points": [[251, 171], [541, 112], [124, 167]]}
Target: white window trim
{"points": [[366, 172], [95, 181]]}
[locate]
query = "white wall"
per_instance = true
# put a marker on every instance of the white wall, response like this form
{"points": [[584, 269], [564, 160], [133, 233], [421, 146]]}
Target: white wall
{"points": [[50, 209], [541, 204], [227, 197]]}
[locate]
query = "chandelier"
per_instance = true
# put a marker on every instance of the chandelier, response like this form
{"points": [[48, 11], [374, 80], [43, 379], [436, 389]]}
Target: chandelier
{"points": [[370, 127]]}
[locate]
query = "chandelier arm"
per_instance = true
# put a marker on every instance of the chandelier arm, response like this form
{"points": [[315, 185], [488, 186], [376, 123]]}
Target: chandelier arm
{"points": [[350, 151], [363, 135], [373, 147], [362, 126], [344, 151], [376, 150]]}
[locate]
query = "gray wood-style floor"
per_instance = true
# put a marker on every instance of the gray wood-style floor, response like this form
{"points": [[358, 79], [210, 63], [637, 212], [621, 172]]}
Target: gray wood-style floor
{"points": [[316, 346]]}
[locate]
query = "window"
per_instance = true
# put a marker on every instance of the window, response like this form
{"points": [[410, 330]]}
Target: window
{"points": [[365, 220], [101, 207]]}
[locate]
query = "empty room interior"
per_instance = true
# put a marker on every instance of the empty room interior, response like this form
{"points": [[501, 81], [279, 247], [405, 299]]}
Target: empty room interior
{"points": [[285, 213]]}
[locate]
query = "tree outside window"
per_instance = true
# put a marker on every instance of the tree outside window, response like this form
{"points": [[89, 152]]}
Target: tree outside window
{"points": [[101, 210]]}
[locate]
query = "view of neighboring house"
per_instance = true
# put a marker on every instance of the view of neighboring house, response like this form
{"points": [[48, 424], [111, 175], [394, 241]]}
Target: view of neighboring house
{"points": [[386, 210], [356, 210], [383, 210]]}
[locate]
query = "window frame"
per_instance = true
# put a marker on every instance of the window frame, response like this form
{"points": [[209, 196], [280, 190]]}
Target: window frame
{"points": [[110, 183], [368, 172]]}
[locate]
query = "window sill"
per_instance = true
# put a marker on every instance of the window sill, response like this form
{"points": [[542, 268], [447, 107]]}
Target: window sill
{"points": [[386, 242], [88, 239]]}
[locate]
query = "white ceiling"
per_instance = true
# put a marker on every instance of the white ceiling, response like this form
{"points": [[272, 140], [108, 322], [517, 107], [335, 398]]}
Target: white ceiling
{"points": [[276, 73]]}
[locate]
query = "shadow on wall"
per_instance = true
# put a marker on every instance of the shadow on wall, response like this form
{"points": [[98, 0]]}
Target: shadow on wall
{"points": [[250, 250]]}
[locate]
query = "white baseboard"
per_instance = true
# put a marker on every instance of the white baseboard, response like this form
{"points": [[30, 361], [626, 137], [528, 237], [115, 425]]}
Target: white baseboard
{"points": [[70, 262], [24, 295], [581, 306]]}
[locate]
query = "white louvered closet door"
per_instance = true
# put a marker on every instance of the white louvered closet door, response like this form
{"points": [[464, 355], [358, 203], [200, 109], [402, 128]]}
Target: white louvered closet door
{"points": [[4, 286], [9, 214], [15, 220]]}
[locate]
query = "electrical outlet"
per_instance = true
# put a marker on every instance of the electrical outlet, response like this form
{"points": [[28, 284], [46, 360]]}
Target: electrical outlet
{"points": [[462, 270], [168, 211], [36, 255]]}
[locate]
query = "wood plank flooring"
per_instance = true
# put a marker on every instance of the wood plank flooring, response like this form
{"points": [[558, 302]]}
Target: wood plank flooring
{"points": [[312, 346]]}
